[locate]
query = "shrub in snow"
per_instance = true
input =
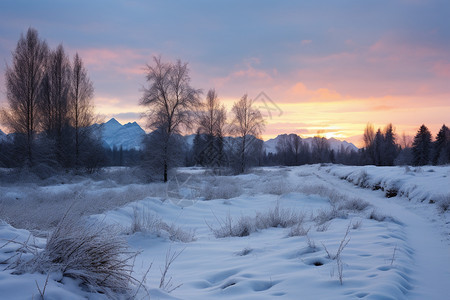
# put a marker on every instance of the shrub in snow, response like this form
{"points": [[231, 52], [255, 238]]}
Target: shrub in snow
{"points": [[375, 215], [298, 230], [277, 185], [93, 253], [354, 204], [245, 225], [334, 196], [363, 179], [221, 188], [144, 221], [325, 215], [227, 228], [244, 252], [443, 203], [323, 227], [391, 192], [278, 217]]}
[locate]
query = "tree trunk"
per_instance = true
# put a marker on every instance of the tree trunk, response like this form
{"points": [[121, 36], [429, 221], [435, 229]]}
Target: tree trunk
{"points": [[165, 170], [243, 155]]}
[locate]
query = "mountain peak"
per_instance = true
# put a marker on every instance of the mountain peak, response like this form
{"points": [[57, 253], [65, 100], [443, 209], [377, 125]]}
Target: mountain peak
{"points": [[113, 121], [116, 135]]}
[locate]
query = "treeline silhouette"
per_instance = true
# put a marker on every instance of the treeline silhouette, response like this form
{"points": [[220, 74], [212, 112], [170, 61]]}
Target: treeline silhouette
{"points": [[50, 113], [49, 110]]}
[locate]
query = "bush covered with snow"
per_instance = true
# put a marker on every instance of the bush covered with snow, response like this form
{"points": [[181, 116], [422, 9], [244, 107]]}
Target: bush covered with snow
{"points": [[94, 254], [443, 203], [149, 222]]}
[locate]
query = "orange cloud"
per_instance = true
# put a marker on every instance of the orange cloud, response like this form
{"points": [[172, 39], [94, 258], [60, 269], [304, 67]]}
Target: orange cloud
{"points": [[300, 92]]}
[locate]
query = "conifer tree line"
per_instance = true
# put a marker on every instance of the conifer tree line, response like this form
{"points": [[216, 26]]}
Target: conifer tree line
{"points": [[49, 108], [382, 148]]}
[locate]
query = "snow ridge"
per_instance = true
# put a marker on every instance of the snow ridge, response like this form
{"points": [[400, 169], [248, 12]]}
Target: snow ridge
{"points": [[116, 135]]}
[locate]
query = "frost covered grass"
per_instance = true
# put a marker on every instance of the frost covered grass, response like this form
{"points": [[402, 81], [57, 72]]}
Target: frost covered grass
{"points": [[271, 233], [94, 254], [149, 222], [275, 217], [28, 205], [443, 203], [222, 187]]}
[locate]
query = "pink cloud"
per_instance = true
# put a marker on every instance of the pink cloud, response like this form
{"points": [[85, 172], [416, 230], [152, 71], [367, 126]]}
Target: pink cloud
{"points": [[123, 61], [442, 68], [247, 73], [306, 42]]}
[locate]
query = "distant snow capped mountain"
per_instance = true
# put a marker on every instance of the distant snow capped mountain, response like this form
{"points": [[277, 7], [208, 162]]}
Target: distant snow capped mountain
{"points": [[128, 136], [335, 144]]}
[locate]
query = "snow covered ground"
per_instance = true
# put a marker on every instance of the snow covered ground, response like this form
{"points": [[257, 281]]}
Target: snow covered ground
{"points": [[310, 232]]}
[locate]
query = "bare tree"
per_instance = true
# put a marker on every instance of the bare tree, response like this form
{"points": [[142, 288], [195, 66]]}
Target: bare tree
{"points": [[221, 119], [212, 124], [288, 148], [320, 149], [23, 81], [80, 109], [406, 141], [247, 124], [171, 101], [54, 101], [369, 138]]}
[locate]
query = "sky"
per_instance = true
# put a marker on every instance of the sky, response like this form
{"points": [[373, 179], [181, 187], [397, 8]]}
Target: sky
{"points": [[326, 67]]}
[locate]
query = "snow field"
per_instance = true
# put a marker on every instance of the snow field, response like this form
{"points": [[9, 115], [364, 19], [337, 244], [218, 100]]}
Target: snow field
{"points": [[383, 259]]}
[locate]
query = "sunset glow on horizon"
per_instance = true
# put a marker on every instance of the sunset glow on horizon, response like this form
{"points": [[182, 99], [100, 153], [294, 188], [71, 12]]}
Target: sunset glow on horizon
{"points": [[327, 68]]}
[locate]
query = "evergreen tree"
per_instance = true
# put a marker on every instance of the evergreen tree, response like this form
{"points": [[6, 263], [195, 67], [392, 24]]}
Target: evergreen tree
{"points": [[390, 149], [441, 153], [378, 147], [422, 146]]}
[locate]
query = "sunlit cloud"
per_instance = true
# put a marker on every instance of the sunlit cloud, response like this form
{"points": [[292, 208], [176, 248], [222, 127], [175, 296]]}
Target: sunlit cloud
{"points": [[299, 92], [246, 73], [320, 70], [122, 61]]}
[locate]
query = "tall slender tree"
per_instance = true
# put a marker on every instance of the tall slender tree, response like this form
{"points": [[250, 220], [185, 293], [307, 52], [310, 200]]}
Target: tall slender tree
{"points": [[23, 81], [212, 123], [171, 101], [54, 102], [247, 124], [80, 108]]}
